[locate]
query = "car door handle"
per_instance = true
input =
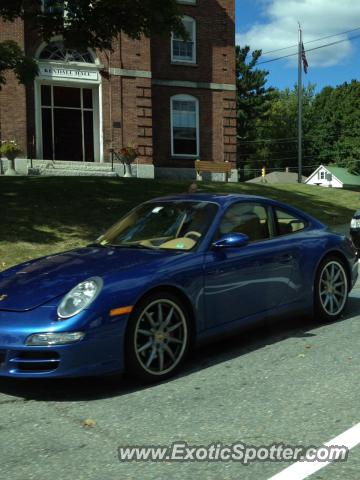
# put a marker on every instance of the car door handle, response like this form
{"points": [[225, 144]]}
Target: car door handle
{"points": [[215, 272], [286, 258]]}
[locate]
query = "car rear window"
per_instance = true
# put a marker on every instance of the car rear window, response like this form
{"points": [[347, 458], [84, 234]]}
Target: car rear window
{"points": [[286, 222]]}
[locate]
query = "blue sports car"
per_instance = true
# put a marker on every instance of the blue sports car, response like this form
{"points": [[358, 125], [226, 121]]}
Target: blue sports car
{"points": [[174, 272]]}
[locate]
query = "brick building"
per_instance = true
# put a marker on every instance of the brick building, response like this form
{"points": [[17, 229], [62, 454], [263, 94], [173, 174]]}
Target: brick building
{"points": [[174, 99]]}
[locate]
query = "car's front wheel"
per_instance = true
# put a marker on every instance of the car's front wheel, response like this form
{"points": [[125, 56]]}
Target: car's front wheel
{"points": [[331, 289], [157, 338]]}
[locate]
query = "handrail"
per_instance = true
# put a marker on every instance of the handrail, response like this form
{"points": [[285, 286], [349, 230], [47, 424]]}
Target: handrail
{"points": [[116, 155]]}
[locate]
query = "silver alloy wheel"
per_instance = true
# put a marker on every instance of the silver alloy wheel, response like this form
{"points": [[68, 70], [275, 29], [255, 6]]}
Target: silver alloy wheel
{"points": [[333, 288], [161, 337]]}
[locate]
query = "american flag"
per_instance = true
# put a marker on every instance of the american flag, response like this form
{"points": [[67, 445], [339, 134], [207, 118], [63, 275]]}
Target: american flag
{"points": [[304, 59]]}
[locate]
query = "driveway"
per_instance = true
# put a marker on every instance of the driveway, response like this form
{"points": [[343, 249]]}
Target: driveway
{"points": [[294, 383]]}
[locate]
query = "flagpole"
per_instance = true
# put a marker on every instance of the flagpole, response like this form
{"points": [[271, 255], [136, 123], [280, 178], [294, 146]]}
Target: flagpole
{"points": [[300, 103]]}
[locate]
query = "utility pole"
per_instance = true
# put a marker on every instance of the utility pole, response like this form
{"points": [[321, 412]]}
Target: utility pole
{"points": [[300, 104]]}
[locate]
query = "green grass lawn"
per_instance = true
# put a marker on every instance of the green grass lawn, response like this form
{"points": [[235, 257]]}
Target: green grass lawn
{"points": [[39, 216]]}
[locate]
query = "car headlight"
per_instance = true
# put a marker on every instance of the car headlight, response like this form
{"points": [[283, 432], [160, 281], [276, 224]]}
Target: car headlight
{"points": [[79, 297], [51, 338], [355, 223]]}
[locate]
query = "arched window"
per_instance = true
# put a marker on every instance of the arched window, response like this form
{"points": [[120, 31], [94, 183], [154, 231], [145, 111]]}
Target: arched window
{"points": [[184, 50], [55, 51], [184, 126]]}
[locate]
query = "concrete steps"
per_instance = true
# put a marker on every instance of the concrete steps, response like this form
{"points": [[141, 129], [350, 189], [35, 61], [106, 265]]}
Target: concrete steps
{"points": [[58, 172], [59, 168]]}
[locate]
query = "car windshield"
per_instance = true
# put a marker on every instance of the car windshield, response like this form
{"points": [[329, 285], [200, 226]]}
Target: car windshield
{"points": [[175, 225]]}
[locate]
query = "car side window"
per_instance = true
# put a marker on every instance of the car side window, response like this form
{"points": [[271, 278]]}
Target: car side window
{"points": [[287, 222], [250, 219]]}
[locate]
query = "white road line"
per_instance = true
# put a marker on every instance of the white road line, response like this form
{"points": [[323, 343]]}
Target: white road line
{"points": [[301, 470]]}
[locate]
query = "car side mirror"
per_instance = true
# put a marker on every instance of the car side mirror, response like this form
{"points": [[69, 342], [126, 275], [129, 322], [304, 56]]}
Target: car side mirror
{"points": [[231, 240]]}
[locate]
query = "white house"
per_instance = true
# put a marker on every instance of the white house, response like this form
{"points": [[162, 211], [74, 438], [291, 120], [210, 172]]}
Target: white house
{"points": [[332, 176]]}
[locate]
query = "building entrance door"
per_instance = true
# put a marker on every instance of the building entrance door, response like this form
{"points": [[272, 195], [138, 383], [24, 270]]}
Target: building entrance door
{"points": [[67, 123]]}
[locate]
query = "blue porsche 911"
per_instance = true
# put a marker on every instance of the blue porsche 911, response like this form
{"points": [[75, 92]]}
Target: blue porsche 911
{"points": [[174, 272]]}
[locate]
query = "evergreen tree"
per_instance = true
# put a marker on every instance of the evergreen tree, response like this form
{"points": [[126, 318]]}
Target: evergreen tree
{"points": [[252, 101]]}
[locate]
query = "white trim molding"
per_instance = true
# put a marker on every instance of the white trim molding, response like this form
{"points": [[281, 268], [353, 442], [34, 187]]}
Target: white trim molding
{"points": [[199, 85], [97, 113], [123, 72]]}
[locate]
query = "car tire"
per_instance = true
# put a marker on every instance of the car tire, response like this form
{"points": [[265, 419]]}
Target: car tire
{"points": [[157, 338], [331, 289]]}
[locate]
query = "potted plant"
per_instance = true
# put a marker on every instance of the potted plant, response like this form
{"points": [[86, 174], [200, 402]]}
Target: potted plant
{"points": [[128, 155], [10, 149]]}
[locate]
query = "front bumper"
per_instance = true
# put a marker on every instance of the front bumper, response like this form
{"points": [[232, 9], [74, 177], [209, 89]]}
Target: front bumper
{"points": [[355, 237], [100, 351]]}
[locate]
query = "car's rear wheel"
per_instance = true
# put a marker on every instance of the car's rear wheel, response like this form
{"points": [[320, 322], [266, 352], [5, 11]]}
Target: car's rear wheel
{"points": [[157, 337], [331, 289]]}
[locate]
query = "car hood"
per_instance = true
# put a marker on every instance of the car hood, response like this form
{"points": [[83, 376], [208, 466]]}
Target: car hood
{"points": [[32, 284]]}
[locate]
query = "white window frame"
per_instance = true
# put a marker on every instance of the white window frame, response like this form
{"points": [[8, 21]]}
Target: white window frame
{"points": [[185, 98], [58, 38], [194, 33], [81, 108], [61, 47]]}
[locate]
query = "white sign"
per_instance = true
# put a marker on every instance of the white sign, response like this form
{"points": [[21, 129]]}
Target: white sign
{"points": [[70, 73]]}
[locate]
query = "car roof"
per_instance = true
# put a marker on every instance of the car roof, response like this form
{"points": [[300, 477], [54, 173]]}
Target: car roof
{"points": [[219, 198], [224, 200]]}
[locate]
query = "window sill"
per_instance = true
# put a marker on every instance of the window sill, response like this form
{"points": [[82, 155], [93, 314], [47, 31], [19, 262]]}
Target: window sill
{"points": [[184, 64]]}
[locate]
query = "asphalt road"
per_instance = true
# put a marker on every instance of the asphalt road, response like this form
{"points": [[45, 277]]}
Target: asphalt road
{"points": [[294, 383]]}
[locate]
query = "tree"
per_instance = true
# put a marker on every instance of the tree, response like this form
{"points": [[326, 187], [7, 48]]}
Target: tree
{"points": [[252, 101], [12, 58], [277, 145], [335, 129], [86, 23]]}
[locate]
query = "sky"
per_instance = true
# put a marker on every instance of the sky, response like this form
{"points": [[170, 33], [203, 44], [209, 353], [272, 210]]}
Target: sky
{"points": [[273, 24]]}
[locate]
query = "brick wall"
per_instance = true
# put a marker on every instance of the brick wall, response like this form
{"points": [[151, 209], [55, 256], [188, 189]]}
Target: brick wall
{"points": [[215, 46], [134, 109], [215, 64], [127, 101], [229, 126], [217, 122], [13, 118]]}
